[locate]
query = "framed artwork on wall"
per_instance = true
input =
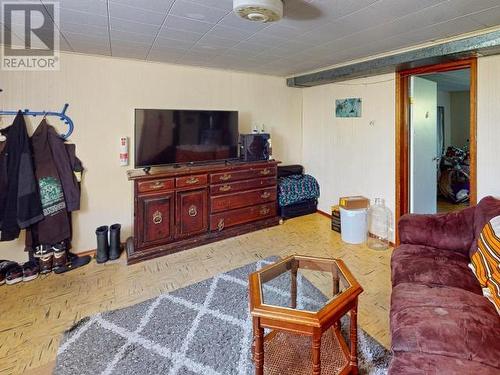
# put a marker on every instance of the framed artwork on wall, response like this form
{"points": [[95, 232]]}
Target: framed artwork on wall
{"points": [[350, 107]]}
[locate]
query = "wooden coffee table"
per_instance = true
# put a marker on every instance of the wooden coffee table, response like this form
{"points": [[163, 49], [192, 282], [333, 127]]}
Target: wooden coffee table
{"points": [[303, 320]]}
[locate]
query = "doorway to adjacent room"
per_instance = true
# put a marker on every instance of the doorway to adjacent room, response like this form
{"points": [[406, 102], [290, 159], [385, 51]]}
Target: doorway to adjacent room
{"points": [[436, 138]]}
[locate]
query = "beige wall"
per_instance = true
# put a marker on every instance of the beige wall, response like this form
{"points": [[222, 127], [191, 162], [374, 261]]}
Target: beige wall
{"points": [[460, 118], [103, 92], [349, 156], [488, 126]]}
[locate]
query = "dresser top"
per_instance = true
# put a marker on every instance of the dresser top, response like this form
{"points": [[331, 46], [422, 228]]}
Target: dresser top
{"points": [[170, 171]]}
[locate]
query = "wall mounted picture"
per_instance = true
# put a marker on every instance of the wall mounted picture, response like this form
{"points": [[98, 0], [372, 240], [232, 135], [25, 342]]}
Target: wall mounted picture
{"points": [[350, 107]]}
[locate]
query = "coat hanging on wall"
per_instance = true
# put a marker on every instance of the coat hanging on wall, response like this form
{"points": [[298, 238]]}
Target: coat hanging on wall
{"points": [[20, 204]]}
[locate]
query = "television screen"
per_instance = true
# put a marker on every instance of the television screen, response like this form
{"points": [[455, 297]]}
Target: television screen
{"points": [[183, 136]]}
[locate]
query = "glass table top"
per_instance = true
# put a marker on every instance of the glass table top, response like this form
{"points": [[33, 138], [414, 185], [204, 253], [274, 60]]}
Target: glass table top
{"points": [[302, 283]]}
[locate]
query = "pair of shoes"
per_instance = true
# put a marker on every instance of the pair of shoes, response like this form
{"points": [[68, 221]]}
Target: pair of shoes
{"points": [[52, 257], [108, 250], [30, 271], [5, 267]]}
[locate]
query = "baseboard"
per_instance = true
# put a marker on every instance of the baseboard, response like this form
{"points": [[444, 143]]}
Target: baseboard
{"points": [[324, 214]]}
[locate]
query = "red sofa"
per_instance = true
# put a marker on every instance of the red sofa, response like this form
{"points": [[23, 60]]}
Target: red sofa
{"points": [[440, 321]]}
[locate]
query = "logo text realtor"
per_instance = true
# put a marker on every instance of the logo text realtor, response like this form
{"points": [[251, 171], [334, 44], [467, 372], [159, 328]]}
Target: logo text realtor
{"points": [[30, 38]]}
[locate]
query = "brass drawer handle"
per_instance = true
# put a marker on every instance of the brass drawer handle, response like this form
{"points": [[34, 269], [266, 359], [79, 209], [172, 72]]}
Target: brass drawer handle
{"points": [[220, 225], [157, 185], [157, 218], [265, 172], [193, 211], [225, 177], [265, 195], [192, 180], [225, 188], [264, 211]]}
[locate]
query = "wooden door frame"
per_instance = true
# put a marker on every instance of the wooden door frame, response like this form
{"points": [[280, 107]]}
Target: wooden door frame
{"points": [[403, 130]]}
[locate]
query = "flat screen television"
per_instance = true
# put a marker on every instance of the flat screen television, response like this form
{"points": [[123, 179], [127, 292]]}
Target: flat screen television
{"points": [[165, 136]]}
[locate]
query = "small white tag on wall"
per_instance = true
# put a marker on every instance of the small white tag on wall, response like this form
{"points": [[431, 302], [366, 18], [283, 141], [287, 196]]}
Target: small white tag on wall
{"points": [[124, 151]]}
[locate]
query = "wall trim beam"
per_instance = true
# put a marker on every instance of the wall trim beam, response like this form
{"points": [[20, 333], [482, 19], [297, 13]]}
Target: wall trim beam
{"points": [[484, 44]]}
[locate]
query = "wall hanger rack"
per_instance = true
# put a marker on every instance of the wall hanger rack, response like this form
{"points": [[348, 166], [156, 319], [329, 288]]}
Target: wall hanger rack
{"points": [[61, 115]]}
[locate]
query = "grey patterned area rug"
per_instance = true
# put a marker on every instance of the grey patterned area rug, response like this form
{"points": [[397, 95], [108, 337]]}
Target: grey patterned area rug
{"points": [[203, 329]]}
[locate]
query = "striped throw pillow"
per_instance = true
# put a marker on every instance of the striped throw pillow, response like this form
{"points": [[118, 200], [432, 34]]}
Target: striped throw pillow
{"points": [[485, 262]]}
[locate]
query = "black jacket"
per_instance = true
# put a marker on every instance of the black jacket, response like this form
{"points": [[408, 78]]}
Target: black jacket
{"points": [[55, 226], [19, 199]]}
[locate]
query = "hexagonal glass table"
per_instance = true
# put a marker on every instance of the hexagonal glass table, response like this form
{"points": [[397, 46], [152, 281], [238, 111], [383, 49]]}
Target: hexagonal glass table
{"points": [[299, 301]]}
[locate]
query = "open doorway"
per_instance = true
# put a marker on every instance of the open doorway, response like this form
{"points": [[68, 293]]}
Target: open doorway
{"points": [[440, 118], [436, 138]]}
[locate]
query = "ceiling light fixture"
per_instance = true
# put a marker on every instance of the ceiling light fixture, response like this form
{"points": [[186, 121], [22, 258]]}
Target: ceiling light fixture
{"points": [[259, 10]]}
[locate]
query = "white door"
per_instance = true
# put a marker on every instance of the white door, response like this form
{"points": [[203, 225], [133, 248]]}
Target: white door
{"points": [[423, 150]]}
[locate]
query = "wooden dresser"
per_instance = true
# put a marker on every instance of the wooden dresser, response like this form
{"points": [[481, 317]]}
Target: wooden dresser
{"points": [[180, 208]]}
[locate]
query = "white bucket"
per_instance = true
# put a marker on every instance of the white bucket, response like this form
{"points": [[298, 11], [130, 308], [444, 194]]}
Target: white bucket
{"points": [[354, 225]]}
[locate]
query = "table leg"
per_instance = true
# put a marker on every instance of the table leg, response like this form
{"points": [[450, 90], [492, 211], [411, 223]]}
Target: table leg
{"points": [[316, 354], [354, 340], [258, 347], [293, 287]]}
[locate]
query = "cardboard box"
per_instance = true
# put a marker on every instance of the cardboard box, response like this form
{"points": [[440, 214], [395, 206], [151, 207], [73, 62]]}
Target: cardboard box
{"points": [[354, 202]]}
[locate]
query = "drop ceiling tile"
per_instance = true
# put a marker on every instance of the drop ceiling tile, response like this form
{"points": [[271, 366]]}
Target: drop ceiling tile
{"points": [[197, 12], [83, 18], [207, 49], [157, 53], [137, 27], [91, 48], [136, 14], [249, 46], [132, 37], [231, 19], [228, 32], [74, 38], [67, 27], [89, 6], [226, 5], [164, 56], [280, 31], [491, 17], [156, 5], [185, 24], [173, 43], [180, 35], [249, 54], [216, 41], [132, 50]]}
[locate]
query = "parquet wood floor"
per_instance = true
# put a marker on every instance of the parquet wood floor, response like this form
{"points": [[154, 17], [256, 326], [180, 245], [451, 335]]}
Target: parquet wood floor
{"points": [[34, 315]]}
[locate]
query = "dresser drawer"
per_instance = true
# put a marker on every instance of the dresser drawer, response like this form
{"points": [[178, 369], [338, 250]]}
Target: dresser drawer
{"points": [[191, 181], [232, 187], [245, 199], [155, 185], [218, 178], [219, 222]]}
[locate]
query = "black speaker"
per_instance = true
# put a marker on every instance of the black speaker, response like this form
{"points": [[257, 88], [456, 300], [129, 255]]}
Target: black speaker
{"points": [[254, 147]]}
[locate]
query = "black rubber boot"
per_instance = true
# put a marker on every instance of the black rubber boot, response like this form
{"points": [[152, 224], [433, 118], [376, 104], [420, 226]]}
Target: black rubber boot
{"points": [[102, 253], [114, 242]]}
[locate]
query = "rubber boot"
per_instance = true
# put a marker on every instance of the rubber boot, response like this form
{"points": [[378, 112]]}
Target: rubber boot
{"points": [[102, 253], [114, 241]]}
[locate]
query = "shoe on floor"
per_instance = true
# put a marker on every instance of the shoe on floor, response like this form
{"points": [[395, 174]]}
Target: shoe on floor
{"points": [[60, 259], [14, 275], [30, 271], [42, 250], [5, 265], [46, 262]]}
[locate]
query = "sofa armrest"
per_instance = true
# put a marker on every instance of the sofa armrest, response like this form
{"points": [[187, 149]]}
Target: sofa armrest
{"points": [[452, 231]]}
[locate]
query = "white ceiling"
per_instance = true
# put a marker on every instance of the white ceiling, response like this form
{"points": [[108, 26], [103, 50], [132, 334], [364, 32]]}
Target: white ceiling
{"points": [[313, 34]]}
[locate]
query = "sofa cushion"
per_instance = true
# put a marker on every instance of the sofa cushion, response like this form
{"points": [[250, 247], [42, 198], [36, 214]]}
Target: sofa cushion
{"points": [[430, 364], [430, 266], [444, 321], [485, 210]]}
